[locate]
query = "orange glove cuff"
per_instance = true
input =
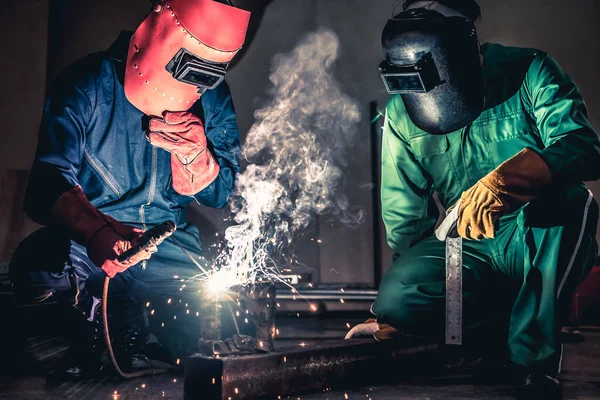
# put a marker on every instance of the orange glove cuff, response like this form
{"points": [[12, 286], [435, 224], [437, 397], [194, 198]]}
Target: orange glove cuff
{"points": [[504, 190], [519, 179], [75, 212]]}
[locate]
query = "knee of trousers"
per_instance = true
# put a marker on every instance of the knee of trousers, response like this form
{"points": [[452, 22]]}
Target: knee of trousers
{"points": [[40, 259], [409, 301]]}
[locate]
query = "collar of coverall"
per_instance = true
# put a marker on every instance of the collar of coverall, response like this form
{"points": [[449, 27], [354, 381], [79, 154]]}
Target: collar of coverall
{"points": [[435, 6]]}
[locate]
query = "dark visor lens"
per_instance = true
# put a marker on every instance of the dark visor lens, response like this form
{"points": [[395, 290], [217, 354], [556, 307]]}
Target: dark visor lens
{"points": [[187, 68], [420, 77], [397, 83], [199, 77]]}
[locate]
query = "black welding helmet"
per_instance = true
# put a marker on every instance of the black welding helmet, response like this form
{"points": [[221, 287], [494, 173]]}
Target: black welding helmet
{"points": [[433, 62]]}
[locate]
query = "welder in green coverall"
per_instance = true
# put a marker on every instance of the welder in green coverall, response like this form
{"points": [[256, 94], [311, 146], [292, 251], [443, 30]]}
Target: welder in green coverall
{"points": [[516, 165]]}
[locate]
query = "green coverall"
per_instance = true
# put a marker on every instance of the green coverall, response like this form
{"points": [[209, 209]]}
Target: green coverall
{"points": [[527, 274]]}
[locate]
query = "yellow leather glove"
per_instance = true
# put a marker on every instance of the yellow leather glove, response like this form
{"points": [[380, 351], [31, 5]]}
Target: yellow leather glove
{"points": [[515, 182]]}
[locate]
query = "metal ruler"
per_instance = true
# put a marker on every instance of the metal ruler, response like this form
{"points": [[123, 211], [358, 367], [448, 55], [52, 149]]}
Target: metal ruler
{"points": [[454, 289]]}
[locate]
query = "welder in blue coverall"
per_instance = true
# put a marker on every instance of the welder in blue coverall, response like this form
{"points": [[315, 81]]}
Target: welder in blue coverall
{"points": [[125, 145]]}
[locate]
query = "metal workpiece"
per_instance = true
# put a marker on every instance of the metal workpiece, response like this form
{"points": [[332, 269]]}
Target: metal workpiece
{"points": [[258, 302], [241, 314], [211, 319], [343, 365]]}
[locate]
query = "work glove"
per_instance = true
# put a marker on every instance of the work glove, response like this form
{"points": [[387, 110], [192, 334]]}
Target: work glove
{"points": [[182, 134], [104, 237], [372, 328], [511, 185]]}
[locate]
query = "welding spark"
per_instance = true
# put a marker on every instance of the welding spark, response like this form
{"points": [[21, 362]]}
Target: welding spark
{"points": [[295, 151]]}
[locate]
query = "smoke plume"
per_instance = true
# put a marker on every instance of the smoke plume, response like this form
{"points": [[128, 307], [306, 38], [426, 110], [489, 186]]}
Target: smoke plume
{"points": [[296, 150]]}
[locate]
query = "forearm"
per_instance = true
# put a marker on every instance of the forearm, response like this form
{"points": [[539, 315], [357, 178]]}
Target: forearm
{"points": [[572, 148], [575, 157], [44, 187], [59, 152]]}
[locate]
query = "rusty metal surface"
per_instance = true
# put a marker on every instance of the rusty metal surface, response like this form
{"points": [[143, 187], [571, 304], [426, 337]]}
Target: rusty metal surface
{"points": [[343, 364]]}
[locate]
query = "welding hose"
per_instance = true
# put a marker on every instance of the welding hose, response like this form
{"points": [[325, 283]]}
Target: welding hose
{"points": [[111, 353]]}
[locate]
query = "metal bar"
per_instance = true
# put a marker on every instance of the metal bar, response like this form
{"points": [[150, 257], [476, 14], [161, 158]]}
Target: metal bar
{"points": [[338, 292], [343, 364], [325, 295], [375, 167], [330, 286], [329, 298]]}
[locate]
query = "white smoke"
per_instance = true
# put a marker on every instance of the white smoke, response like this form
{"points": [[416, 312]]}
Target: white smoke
{"points": [[296, 150]]}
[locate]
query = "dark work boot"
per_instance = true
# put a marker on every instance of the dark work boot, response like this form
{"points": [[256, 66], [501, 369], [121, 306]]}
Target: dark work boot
{"points": [[129, 346], [86, 346], [537, 384]]}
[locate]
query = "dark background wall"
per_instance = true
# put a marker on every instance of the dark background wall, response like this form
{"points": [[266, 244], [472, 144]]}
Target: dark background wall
{"points": [[40, 37]]}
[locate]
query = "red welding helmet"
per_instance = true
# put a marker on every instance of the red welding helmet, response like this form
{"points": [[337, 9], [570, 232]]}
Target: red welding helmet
{"points": [[181, 49]]}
